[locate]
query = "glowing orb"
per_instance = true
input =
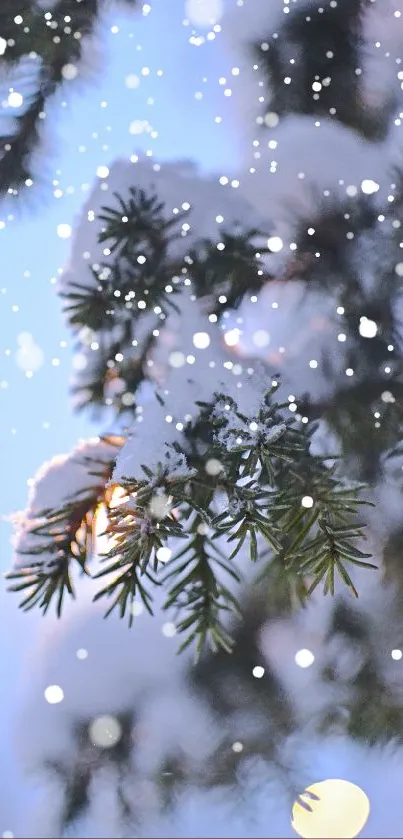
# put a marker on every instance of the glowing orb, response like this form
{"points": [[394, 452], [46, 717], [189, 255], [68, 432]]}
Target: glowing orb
{"points": [[339, 810]]}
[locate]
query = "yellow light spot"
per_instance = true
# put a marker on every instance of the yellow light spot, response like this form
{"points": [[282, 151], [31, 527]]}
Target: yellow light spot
{"points": [[104, 540], [116, 496], [339, 810]]}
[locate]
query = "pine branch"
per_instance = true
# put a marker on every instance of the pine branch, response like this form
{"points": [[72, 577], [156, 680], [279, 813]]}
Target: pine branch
{"points": [[320, 542], [322, 44], [57, 39], [197, 593], [266, 473], [103, 370], [331, 249], [377, 722], [138, 225], [332, 232], [142, 278], [92, 305], [146, 526], [142, 269], [367, 416], [225, 271], [65, 536]]}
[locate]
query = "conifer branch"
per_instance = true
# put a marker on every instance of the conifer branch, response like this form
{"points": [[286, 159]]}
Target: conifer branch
{"points": [[258, 512], [65, 535], [56, 38]]}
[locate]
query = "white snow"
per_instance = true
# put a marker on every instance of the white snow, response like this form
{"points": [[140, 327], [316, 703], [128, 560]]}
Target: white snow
{"points": [[184, 386], [55, 483]]}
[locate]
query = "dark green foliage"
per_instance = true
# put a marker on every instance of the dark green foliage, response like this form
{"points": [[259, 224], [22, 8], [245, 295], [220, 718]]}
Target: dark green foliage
{"points": [[131, 372], [36, 34], [178, 501], [332, 232], [65, 535], [142, 277], [370, 712], [77, 779], [322, 44], [224, 275], [266, 462], [197, 593], [351, 250], [138, 226]]}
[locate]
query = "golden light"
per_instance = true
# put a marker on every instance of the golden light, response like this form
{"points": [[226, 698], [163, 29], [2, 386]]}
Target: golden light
{"points": [[338, 810], [104, 541], [115, 495]]}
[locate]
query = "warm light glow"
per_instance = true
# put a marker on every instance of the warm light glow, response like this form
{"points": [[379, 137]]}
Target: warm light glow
{"points": [[339, 810], [114, 496], [100, 524]]}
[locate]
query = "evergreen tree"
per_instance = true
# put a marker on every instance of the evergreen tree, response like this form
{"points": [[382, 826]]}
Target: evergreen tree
{"points": [[40, 51], [214, 467]]}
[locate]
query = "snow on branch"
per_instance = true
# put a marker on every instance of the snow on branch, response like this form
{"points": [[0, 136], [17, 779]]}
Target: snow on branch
{"points": [[56, 531]]}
